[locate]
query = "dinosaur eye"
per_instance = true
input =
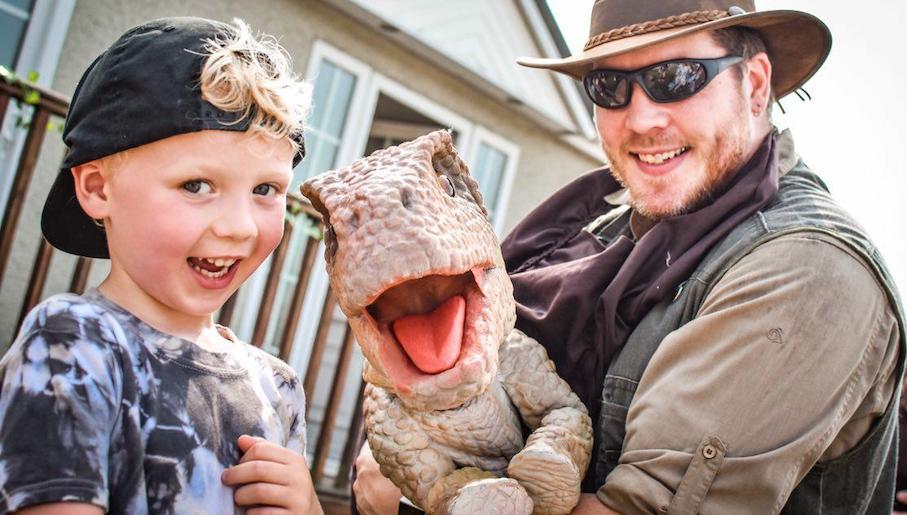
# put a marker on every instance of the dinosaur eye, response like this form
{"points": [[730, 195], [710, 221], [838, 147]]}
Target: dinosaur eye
{"points": [[446, 184]]}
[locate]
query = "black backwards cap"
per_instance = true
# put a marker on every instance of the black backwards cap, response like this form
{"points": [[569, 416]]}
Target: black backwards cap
{"points": [[142, 89]]}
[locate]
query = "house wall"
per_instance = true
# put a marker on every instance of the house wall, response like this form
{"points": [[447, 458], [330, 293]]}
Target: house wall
{"points": [[545, 162]]}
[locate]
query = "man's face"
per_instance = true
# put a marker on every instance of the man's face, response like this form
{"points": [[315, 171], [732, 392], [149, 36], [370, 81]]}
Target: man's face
{"points": [[191, 217], [672, 156]]}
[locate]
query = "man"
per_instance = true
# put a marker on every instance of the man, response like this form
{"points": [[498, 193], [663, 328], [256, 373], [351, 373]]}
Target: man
{"points": [[732, 330]]}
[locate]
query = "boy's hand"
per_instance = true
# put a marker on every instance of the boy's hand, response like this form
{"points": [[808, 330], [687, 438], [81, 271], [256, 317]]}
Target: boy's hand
{"points": [[271, 479]]}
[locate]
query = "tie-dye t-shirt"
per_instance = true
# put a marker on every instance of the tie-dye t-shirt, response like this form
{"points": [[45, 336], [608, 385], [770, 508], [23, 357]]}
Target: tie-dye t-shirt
{"points": [[99, 407]]}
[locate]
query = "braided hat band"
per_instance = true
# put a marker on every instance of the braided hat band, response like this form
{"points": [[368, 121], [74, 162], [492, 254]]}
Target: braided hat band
{"points": [[691, 18]]}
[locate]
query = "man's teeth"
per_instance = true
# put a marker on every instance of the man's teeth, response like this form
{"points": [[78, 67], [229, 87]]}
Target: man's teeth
{"points": [[657, 159]]}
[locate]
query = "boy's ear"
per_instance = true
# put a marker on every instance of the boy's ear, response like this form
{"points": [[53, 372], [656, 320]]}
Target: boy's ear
{"points": [[91, 185]]}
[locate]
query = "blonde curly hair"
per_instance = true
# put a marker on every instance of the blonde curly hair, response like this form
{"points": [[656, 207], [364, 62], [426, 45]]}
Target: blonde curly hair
{"points": [[252, 75]]}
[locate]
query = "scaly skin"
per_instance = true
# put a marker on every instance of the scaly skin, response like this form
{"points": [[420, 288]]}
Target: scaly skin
{"points": [[406, 230]]}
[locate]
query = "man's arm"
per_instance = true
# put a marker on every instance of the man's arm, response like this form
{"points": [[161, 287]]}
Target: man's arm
{"points": [[589, 504], [375, 494], [789, 361]]}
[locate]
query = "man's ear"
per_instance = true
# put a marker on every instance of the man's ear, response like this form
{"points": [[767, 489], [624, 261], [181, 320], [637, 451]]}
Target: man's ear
{"points": [[759, 78], [91, 186]]}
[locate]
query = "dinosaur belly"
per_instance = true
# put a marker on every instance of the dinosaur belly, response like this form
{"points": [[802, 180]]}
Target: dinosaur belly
{"points": [[483, 433]]}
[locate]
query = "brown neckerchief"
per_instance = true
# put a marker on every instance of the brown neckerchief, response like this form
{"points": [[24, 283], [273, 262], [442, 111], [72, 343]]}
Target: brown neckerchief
{"points": [[582, 299]]}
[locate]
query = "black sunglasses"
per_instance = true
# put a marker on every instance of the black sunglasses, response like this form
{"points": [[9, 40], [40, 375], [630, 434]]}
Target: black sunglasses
{"points": [[667, 81]]}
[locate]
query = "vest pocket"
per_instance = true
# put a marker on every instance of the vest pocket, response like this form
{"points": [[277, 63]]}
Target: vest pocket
{"points": [[617, 393]]}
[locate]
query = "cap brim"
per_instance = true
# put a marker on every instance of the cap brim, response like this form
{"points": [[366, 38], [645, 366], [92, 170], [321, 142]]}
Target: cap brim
{"points": [[798, 43], [66, 226]]}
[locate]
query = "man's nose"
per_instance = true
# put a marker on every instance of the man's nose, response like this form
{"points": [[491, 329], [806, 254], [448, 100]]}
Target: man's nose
{"points": [[644, 115], [236, 221]]}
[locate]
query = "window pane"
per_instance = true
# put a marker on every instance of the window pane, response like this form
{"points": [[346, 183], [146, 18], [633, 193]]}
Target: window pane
{"points": [[339, 102], [321, 92], [24, 5], [14, 15], [489, 173], [331, 101]]}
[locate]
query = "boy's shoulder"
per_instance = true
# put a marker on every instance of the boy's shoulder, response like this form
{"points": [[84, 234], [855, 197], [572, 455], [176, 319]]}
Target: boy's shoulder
{"points": [[265, 360], [86, 316]]}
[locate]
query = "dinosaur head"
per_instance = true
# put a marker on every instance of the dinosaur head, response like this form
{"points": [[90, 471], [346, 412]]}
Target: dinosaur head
{"points": [[416, 268]]}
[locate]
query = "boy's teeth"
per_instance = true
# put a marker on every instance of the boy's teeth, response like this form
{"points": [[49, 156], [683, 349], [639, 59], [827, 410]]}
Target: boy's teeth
{"points": [[657, 159], [220, 261], [213, 275]]}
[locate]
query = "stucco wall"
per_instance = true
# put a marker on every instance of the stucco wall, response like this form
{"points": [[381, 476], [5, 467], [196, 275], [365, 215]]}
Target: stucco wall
{"points": [[545, 163]]}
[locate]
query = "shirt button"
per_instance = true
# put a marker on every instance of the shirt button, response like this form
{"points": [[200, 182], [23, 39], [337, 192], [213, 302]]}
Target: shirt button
{"points": [[709, 452]]}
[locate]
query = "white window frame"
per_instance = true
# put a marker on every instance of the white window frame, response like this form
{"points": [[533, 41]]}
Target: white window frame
{"points": [[512, 151], [40, 52]]}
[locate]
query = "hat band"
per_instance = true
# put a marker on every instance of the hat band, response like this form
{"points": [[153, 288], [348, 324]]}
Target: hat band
{"points": [[691, 18]]}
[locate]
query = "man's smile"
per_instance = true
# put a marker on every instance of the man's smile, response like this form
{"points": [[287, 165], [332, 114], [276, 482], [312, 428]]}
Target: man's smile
{"points": [[659, 162], [658, 157]]}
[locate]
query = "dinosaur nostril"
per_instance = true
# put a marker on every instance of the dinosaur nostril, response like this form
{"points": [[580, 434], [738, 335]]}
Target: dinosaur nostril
{"points": [[406, 198]]}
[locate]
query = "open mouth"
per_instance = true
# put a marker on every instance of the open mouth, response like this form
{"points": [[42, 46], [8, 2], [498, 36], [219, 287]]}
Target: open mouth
{"points": [[659, 158], [425, 323], [212, 268]]}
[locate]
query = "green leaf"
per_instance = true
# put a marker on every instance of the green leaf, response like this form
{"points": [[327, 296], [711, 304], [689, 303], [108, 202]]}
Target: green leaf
{"points": [[33, 76], [32, 97]]}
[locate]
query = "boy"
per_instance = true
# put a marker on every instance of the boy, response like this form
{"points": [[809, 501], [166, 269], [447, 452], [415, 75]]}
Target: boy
{"points": [[129, 399]]}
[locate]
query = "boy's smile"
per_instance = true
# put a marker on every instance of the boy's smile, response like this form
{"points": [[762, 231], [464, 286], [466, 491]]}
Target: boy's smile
{"points": [[215, 272], [188, 219]]}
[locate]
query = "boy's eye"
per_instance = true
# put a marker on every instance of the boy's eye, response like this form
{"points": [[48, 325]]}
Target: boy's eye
{"points": [[196, 187], [264, 189]]}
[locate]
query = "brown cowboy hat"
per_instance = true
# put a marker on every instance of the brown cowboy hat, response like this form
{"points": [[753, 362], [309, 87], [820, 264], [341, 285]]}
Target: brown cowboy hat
{"points": [[797, 42]]}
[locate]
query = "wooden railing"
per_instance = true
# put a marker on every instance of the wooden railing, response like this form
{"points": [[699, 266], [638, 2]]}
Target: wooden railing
{"points": [[47, 105]]}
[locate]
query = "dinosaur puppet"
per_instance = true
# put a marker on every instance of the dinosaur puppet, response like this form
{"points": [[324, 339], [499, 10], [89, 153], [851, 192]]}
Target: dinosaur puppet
{"points": [[416, 268]]}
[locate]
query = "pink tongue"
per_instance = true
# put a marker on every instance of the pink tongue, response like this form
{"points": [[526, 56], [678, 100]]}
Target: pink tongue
{"points": [[432, 340]]}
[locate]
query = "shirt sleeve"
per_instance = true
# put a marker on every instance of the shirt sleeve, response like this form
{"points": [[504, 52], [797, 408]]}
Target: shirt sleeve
{"points": [[792, 354], [58, 400], [293, 398]]}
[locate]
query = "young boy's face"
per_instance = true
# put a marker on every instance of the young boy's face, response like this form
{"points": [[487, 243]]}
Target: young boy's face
{"points": [[190, 217]]}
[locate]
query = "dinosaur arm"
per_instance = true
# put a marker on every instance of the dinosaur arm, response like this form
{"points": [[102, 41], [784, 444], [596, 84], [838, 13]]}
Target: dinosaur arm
{"points": [[554, 461], [531, 381]]}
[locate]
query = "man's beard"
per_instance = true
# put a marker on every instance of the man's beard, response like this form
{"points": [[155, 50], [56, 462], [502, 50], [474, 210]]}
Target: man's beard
{"points": [[722, 157]]}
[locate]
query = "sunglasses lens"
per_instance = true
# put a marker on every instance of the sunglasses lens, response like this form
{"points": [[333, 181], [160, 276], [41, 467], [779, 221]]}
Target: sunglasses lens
{"points": [[607, 89], [668, 82]]}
